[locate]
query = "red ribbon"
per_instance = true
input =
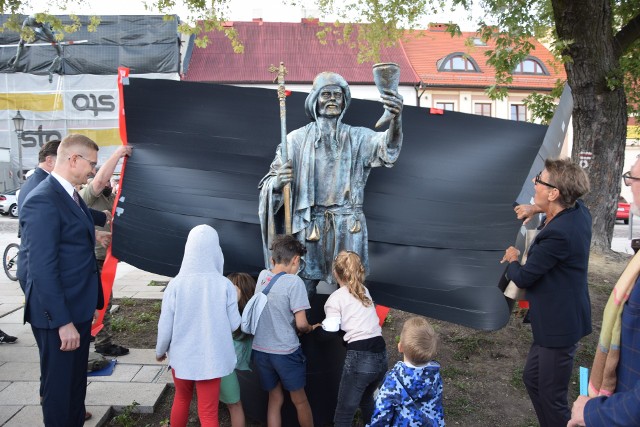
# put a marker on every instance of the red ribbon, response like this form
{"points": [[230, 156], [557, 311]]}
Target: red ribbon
{"points": [[111, 262], [382, 313]]}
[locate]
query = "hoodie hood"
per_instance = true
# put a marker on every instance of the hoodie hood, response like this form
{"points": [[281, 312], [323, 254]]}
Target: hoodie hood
{"points": [[202, 252], [419, 383], [326, 78]]}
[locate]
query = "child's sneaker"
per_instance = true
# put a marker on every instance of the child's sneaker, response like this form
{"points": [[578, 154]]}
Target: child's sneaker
{"points": [[6, 338]]}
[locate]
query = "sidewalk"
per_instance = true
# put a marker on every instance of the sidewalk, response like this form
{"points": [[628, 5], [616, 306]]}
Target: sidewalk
{"points": [[136, 377]]}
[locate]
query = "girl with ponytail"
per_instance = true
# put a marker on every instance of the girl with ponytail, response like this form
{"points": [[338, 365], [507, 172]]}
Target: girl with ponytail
{"points": [[351, 309]]}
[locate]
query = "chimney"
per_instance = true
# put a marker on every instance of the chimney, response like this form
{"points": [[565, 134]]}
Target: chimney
{"points": [[227, 24], [258, 21], [437, 27], [310, 21]]}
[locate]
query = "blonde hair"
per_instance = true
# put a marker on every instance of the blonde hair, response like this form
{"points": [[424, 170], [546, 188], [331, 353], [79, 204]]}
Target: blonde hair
{"points": [[348, 269], [419, 340]]}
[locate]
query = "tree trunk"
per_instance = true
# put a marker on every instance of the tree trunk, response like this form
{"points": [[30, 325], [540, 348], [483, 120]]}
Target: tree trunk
{"points": [[599, 111]]}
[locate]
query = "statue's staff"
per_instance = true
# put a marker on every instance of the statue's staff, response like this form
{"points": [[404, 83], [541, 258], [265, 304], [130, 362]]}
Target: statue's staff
{"points": [[286, 191]]}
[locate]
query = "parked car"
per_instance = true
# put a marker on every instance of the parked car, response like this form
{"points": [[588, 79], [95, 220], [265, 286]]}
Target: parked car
{"points": [[623, 210], [9, 203]]}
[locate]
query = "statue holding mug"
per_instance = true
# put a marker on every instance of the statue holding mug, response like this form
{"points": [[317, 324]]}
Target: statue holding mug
{"points": [[328, 163]]}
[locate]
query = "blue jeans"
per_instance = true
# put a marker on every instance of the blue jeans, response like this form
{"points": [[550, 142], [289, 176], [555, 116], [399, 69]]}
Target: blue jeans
{"points": [[362, 373]]}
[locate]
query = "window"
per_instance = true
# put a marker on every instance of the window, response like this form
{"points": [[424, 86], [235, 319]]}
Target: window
{"points": [[458, 62], [530, 66], [518, 112], [449, 106], [483, 109], [478, 42]]}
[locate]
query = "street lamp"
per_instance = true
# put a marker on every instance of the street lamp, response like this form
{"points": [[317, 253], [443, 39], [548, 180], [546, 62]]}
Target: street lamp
{"points": [[18, 124]]}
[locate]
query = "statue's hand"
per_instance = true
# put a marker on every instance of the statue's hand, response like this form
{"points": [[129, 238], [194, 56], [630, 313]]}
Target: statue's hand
{"points": [[284, 175], [392, 101]]}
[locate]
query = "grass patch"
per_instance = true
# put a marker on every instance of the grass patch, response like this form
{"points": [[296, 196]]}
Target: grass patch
{"points": [[120, 324], [452, 372], [516, 379], [126, 419], [601, 288], [127, 302], [466, 346], [531, 422], [158, 283], [457, 407]]}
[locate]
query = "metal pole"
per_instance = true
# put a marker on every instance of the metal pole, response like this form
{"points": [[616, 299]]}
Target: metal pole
{"points": [[20, 159], [286, 191]]}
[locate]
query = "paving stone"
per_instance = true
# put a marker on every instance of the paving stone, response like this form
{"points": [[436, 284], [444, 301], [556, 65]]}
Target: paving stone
{"points": [[13, 316], [121, 373], [7, 310], [21, 393], [20, 371], [121, 395], [165, 377], [32, 416], [16, 353], [147, 374], [3, 385], [140, 356], [13, 299], [9, 411]]}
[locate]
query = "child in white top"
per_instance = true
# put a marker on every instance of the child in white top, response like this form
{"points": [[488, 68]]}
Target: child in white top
{"points": [[366, 360]]}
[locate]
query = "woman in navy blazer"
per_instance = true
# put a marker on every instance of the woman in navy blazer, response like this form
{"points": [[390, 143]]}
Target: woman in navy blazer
{"points": [[555, 277]]}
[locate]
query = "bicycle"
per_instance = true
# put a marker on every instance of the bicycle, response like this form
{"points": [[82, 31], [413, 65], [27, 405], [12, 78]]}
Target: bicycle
{"points": [[10, 260]]}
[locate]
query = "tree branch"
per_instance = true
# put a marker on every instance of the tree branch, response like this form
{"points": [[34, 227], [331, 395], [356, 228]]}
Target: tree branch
{"points": [[627, 35]]}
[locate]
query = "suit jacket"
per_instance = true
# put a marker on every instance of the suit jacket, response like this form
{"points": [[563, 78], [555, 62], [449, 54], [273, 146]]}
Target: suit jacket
{"points": [[555, 276], [62, 283], [36, 178], [622, 408]]}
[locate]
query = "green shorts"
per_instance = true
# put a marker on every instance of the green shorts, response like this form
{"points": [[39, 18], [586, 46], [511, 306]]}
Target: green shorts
{"points": [[230, 389]]}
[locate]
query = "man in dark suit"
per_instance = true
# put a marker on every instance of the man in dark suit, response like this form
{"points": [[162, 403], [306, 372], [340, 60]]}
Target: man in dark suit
{"points": [[62, 289], [46, 162], [621, 407]]}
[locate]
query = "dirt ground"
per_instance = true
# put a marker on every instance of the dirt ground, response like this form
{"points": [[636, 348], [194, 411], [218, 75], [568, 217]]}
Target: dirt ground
{"points": [[481, 370]]}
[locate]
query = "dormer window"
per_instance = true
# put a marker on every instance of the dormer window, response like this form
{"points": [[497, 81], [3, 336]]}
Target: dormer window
{"points": [[531, 65], [458, 62]]}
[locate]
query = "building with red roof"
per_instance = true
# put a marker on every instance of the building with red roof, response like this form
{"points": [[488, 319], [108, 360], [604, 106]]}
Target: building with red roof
{"points": [[437, 70], [297, 45], [454, 73]]}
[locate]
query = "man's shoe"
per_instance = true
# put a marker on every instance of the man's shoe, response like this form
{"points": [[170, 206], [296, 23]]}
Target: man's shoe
{"points": [[112, 350], [87, 415], [8, 339]]}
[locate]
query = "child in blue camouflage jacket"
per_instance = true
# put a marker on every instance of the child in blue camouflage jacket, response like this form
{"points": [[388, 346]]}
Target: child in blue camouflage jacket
{"points": [[411, 394]]}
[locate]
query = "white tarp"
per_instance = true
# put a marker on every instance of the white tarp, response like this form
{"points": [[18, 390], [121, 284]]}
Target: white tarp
{"points": [[86, 104]]}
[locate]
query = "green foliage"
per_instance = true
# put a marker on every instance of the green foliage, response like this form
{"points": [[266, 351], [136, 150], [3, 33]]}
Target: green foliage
{"points": [[126, 419], [542, 105]]}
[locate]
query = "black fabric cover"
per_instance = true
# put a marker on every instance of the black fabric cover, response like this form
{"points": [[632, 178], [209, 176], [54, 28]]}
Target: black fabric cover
{"points": [[144, 43], [439, 221]]}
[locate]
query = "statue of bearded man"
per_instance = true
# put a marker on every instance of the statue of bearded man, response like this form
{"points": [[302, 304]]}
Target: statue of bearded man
{"points": [[328, 163]]}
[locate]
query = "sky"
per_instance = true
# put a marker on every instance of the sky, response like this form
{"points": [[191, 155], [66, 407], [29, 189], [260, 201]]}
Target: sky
{"points": [[240, 10]]}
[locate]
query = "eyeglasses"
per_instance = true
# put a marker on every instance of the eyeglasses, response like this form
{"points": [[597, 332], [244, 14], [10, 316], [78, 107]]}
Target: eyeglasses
{"points": [[628, 179], [92, 164], [537, 180]]}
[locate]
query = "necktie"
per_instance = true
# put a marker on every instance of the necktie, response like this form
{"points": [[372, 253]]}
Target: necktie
{"points": [[76, 198]]}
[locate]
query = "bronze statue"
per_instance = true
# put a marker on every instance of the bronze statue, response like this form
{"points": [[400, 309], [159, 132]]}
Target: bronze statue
{"points": [[328, 163]]}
